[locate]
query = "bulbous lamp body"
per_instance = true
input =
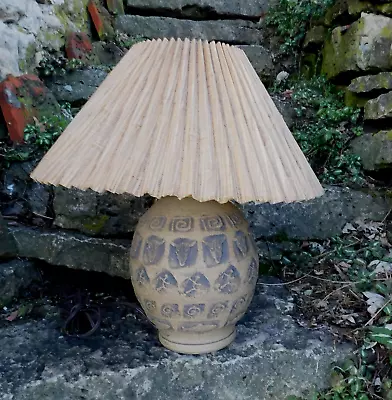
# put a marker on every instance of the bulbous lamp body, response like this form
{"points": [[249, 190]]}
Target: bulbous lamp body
{"points": [[194, 270]]}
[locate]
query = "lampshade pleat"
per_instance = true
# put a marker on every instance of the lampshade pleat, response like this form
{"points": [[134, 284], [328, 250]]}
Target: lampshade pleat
{"points": [[182, 118]]}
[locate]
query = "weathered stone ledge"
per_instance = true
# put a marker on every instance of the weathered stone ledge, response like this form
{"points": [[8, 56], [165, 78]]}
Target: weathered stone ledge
{"points": [[272, 357], [229, 31]]}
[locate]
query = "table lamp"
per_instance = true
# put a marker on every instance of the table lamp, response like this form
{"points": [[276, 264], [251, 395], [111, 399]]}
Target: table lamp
{"points": [[191, 124]]}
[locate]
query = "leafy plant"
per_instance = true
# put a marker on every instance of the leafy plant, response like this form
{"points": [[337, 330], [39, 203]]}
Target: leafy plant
{"points": [[324, 128], [38, 136], [291, 18]]}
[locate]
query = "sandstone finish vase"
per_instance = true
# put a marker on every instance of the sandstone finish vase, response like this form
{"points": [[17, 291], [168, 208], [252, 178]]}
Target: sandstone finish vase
{"points": [[194, 268]]}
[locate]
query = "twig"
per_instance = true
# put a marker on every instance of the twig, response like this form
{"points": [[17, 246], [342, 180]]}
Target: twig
{"points": [[387, 215], [377, 313]]}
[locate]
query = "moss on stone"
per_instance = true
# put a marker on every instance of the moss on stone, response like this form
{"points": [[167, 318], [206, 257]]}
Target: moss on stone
{"points": [[79, 14], [95, 224], [27, 63]]}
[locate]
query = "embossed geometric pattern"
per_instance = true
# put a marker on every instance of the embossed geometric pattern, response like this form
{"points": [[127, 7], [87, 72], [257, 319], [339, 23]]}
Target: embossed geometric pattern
{"points": [[170, 310], [196, 285], [217, 309], [211, 224], [215, 250], [165, 281], [228, 281], [183, 253], [153, 250], [187, 268], [241, 245], [182, 224], [193, 310], [142, 277]]}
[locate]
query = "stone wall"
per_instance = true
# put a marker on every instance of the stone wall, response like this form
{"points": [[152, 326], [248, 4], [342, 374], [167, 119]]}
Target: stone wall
{"points": [[28, 26], [352, 47]]}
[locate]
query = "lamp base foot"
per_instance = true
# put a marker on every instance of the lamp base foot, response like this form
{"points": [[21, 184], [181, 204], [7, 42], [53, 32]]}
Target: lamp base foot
{"points": [[198, 343]]}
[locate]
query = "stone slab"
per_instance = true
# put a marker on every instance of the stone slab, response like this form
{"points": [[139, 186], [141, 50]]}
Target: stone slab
{"points": [[229, 31], [272, 357], [193, 8], [379, 108], [73, 250], [319, 218]]}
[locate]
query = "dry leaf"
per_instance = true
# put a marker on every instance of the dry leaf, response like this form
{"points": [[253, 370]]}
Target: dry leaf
{"points": [[375, 301], [381, 267], [348, 228], [12, 316]]}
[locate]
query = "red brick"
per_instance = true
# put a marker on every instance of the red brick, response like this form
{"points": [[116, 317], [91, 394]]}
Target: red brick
{"points": [[21, 99], [78, 46], [101, 19]]}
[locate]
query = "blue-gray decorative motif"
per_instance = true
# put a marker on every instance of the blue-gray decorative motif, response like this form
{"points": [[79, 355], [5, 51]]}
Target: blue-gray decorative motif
{"points": [[228, 281], [215, 250], [153, 250], [142, 277], [183, 253], [196, 285], [218, 308], [253, 272], [234, 219], [136, 245], [238, 305], [241, 247], [198, 326], [212, 224], [165, 281], [170, 310], [150, 305], [182, 224], [157, 223], [193, 310]]}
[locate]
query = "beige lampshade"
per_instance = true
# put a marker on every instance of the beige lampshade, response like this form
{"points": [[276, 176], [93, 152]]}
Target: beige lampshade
{"points": [[182, 118]]}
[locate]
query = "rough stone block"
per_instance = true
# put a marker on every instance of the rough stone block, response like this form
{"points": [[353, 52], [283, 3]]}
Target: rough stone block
{"points": [[261, 60], [230, 31], [78, 45], [198, 8], [363, 46], [375, 150], [379, 108], [77, 86], [21, 99], [98, 214], [7, 242], [371, 83], [15, 275]]}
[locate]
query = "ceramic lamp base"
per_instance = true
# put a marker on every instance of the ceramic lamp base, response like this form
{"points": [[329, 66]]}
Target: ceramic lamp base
{"points": [[194, 268], [198, 343]]}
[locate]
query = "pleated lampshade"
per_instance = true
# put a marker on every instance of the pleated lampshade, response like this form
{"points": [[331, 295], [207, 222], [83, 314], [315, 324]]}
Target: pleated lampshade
{"points": [[185, 119]]}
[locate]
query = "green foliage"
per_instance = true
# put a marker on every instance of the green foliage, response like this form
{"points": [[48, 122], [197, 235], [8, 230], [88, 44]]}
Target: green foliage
{"points": [[324, 127], [291, 18], [57, 64], [126, 42], [351, 276], [39, 136]]}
